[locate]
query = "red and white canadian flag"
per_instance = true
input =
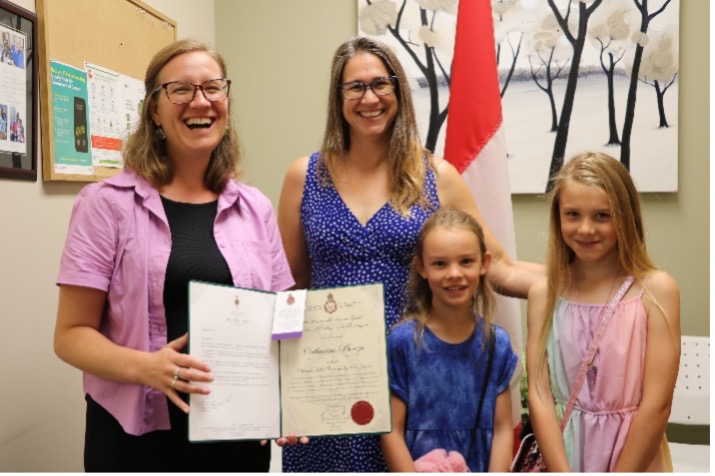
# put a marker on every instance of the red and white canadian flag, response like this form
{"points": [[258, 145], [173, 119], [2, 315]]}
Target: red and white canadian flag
{"points": [[475, 145]]}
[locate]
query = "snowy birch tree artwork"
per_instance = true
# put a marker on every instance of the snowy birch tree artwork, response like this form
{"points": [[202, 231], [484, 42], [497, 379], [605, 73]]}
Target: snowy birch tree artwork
{"points": [[575, 76]]}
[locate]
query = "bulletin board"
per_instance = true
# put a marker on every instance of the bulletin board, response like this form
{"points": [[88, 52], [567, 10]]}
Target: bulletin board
{"points": [[120, 35]]}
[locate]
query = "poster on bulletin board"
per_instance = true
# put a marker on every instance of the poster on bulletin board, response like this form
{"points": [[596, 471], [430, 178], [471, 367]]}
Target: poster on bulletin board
{"points": [[70, 134]]}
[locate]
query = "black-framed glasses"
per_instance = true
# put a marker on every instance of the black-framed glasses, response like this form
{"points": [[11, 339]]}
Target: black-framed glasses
{"points": [[183, 92], [356, 89]]}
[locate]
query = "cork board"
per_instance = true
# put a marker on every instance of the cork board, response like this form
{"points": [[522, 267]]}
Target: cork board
{"points": [[121, 35]]}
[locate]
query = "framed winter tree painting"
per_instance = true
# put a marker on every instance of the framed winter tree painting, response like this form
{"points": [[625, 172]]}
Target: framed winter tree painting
{"points": [[575, 76]]}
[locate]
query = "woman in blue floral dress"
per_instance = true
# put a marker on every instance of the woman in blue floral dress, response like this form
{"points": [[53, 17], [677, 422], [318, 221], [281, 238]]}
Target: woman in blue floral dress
{"points": [[350, 213]]}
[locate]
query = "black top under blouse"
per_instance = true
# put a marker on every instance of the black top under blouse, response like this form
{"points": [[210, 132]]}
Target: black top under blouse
{"points": [[194, 255]]}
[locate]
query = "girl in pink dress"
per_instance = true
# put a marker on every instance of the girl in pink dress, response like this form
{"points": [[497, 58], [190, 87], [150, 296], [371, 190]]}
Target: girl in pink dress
{"points": [[596, 240]]}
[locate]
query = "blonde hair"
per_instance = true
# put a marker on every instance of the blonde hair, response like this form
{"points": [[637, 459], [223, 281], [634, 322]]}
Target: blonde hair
{"points": [[145, 152], [418, 291], [594, 169], [406, 156]]}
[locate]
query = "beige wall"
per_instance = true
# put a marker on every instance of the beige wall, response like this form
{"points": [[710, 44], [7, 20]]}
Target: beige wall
{"points": [[280, 90]]}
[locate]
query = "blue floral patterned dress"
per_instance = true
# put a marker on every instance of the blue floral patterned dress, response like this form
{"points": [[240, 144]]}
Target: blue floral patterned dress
{"points": [[345, 252]]}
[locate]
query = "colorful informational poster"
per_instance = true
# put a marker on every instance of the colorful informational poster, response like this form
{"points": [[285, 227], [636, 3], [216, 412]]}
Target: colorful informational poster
{"points": [[13, 91], [105, 115], [71, 127]]}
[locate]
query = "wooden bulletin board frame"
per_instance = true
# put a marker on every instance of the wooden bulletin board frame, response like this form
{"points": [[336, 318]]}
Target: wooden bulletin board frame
{"points": [[120, 35]]}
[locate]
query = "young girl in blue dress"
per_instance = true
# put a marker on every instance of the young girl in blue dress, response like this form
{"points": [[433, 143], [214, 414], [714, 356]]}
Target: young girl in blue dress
{"points": [[449, 366]]}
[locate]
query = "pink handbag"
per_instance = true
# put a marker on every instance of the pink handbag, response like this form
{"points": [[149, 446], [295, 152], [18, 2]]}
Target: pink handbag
{"points": [[439, 461]]}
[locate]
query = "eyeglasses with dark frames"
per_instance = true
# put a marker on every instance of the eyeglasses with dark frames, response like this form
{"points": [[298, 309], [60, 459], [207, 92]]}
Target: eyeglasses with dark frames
{"points": [[356, 89], [183, 92]]}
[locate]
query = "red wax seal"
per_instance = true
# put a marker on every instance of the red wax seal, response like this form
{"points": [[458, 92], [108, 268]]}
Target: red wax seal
{"points": [[362, 412]]}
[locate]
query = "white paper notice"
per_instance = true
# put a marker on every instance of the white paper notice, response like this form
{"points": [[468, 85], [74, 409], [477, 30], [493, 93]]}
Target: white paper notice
{"points": [[289, 314], [231, 331], [105, 115]]}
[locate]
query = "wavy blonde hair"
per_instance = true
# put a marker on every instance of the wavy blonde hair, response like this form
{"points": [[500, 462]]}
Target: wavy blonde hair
{"points": [[418, 291], [406, 156], [145, 152], [594, 169]]}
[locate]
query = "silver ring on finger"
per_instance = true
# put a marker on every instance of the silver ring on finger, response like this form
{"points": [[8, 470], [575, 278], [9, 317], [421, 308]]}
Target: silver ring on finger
{"points": [[173, 382]]}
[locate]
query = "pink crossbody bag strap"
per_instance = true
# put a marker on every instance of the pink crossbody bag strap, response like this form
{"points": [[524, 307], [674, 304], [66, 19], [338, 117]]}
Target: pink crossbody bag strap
{"points": [[593, 348]]}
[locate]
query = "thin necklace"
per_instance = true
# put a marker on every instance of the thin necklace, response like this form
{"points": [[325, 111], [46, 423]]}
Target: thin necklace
{"points": [[592, 372]]}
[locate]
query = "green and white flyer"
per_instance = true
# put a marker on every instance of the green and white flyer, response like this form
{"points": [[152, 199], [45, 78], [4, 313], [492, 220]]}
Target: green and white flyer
{"points": [[70, 128]]}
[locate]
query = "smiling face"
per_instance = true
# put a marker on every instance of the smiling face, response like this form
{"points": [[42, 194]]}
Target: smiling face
{"points": [[195, 128], [372, 116], [453, 265], [587, 225]]}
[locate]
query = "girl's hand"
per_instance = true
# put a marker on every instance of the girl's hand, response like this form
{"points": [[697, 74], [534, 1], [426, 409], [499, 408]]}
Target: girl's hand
{"points": [[662, 358], [542, 412], [503, 437], [394, 448], [172, 372]]}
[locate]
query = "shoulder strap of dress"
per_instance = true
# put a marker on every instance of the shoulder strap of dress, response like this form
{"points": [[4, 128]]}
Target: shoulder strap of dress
{"points": [[430, 180], [491, 339], [311, 173], [313, 160]]}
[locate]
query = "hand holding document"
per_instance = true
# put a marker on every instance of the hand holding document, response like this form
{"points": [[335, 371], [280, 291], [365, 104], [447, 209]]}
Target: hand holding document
{"points": [[331, 380]]}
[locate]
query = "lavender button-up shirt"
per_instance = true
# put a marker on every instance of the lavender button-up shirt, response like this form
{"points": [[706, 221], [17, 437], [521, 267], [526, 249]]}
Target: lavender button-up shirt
{"points": [[119, 242]]}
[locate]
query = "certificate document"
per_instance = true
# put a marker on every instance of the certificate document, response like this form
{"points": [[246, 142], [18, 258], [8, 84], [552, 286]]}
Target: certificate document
{"points": [[332, 380]]}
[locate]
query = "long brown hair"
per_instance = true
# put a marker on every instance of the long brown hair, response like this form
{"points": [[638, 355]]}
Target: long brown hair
{"points": [[418, 292], [145, 152], [406, 156], [594, 169]]}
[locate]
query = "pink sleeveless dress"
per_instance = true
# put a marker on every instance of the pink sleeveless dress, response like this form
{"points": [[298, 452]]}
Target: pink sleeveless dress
{"points": [[609, 398]]}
